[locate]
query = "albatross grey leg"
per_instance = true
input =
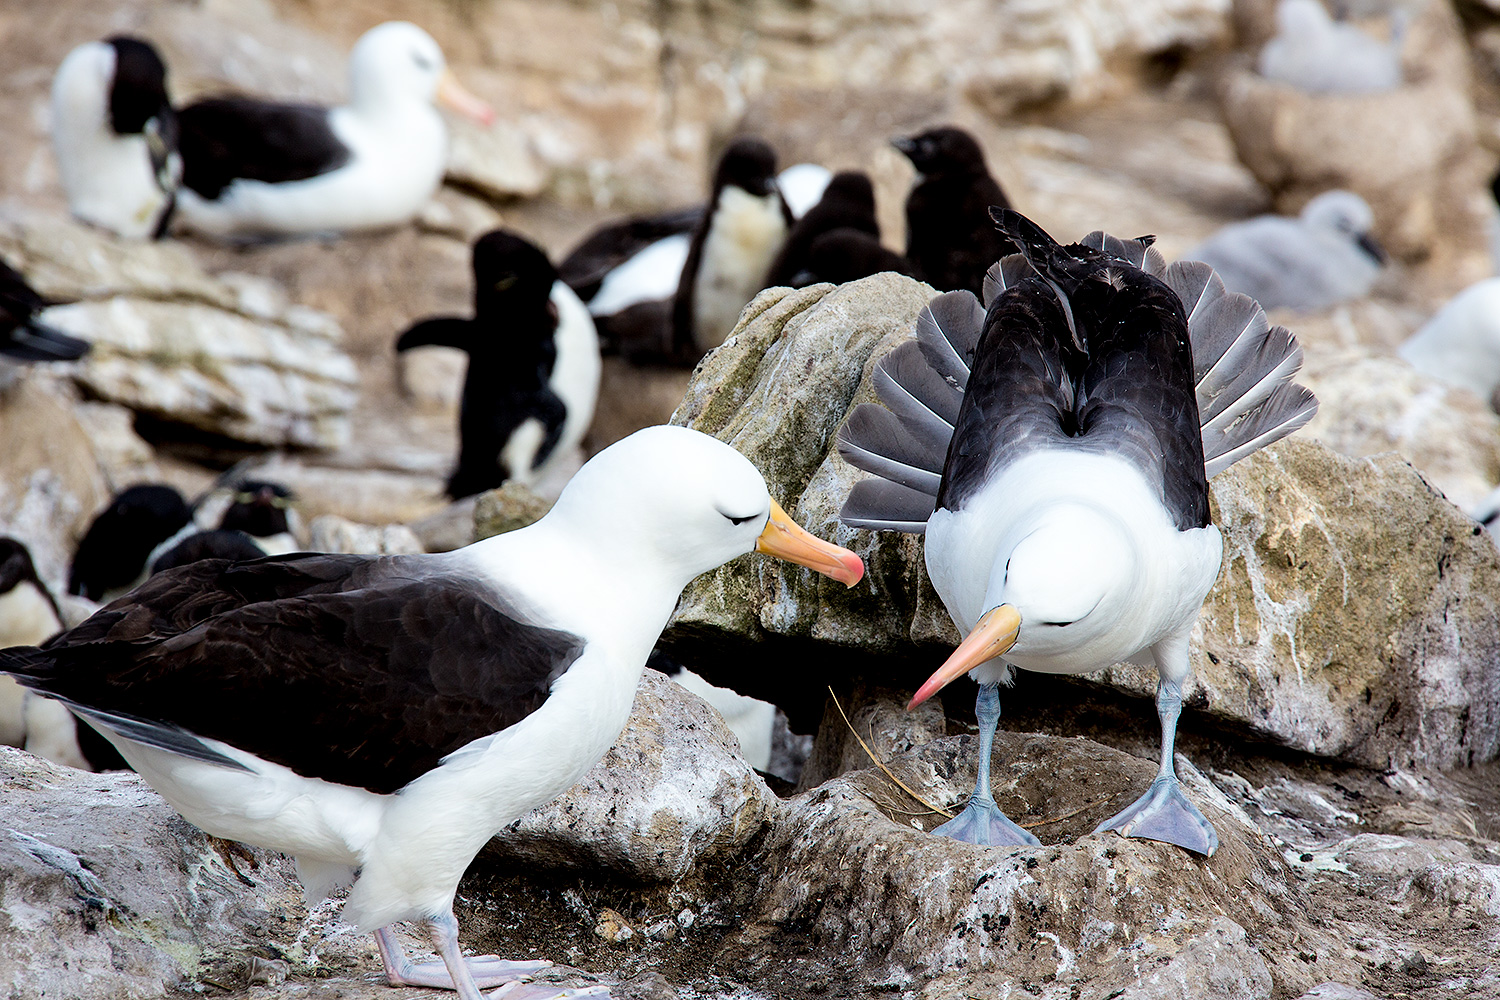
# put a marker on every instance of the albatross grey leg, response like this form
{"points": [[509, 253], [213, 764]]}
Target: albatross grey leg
{"points": [[1164, 812], [480, 972], [982, 822]]}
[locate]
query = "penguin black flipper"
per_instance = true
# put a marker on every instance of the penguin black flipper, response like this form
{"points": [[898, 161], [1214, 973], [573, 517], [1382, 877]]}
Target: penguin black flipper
{"points": [[440, 331]]}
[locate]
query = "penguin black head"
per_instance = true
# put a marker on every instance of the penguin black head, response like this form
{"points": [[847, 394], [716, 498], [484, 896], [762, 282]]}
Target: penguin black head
{"points": [[510, 273], [235, 546], [945, 150], [851, 188], [258, 508], [748, 164], [138, 92], [16, 566], [114, 550]]}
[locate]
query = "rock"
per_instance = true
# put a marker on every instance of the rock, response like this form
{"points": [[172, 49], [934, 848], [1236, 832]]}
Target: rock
{"points": [[1371, 403], [1411, 152], [331, 533], [367, 493], [215, 371], [1337, 991], [1217, 964], [872, 725], [671, 796], [1296, 643], [512, 506], [496, 161], [868, 899], [51, 481], [108, 893], [232, 358]]}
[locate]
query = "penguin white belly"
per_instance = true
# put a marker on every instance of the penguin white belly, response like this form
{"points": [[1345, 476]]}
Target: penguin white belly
{"points": [[575, 373], [744, 236]]}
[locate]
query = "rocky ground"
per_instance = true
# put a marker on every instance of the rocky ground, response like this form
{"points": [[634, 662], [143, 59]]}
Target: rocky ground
{"points": [[1344, 720]]}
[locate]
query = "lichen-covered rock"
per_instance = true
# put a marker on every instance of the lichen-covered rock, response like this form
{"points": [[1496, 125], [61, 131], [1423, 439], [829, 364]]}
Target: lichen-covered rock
{"points": [[512, 506], [107, 893], [1355, 616], [671, 795], [495, 161], [51, 483], [1411, 152]]}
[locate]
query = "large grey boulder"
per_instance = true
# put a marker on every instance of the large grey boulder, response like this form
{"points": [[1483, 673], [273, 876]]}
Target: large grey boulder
{"points": [[230, 357], [672, 795], [1355, 616]]}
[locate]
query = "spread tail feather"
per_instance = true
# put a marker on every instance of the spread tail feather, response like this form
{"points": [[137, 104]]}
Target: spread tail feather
{"points": [[1138, 252], [874, 439], [1288, 408], [948, 330], [1004, 273], [1242, 368], [38, 342], [881, 505], [906, 442]]}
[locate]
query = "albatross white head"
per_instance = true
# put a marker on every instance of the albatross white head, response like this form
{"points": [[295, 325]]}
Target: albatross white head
{"points": [[397, 62], [1059, 589], [684, 503]]}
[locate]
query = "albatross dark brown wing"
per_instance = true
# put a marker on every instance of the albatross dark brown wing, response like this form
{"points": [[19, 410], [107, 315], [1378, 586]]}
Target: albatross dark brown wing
{"points": [[365, 671]]}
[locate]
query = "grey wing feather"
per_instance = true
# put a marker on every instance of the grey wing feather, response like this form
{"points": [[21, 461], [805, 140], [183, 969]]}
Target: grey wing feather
{"points": [[873, 439], [948, 331], [1005, 273], [1138, 252], [1198, 287], [1242, 365], [882, 505], [905, 382], [1288, 408], [906, 445]]}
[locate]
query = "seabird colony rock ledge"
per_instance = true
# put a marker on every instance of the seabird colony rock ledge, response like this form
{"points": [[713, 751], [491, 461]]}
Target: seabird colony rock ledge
{"points": [[1357, 614], [227, 356]]}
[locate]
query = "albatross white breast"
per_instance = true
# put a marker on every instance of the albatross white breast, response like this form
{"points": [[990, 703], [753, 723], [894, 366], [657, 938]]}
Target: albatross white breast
{"points": [[379, 718], [1055, 450]]}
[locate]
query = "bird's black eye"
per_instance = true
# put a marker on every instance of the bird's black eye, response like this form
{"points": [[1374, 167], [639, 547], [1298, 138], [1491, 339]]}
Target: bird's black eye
{"points": [[738, 520], [1058, 624], [422, 61]]}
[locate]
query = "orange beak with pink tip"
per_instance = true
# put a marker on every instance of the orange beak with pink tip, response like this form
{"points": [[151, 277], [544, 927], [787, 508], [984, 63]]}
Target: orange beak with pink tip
{"points": [[459, 99], [993, 635], [786, 539]]}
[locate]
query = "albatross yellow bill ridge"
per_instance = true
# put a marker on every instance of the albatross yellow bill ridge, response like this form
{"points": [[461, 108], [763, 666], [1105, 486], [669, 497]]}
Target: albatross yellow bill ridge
{"points": [[379, 718], [1055, 449]]}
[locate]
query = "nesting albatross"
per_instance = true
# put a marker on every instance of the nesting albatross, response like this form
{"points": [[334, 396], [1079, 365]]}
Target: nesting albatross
{"points": [[1056, 450], [379, 718]]}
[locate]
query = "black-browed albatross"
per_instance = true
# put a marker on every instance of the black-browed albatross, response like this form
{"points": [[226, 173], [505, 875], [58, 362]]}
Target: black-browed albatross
{"points": [[379, 718], [1056, 451]]}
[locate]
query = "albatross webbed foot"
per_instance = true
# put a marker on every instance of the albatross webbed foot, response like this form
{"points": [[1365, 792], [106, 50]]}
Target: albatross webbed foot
{"points": [[1165, 814], [484, 971], [982, 822], [547, 991]]}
